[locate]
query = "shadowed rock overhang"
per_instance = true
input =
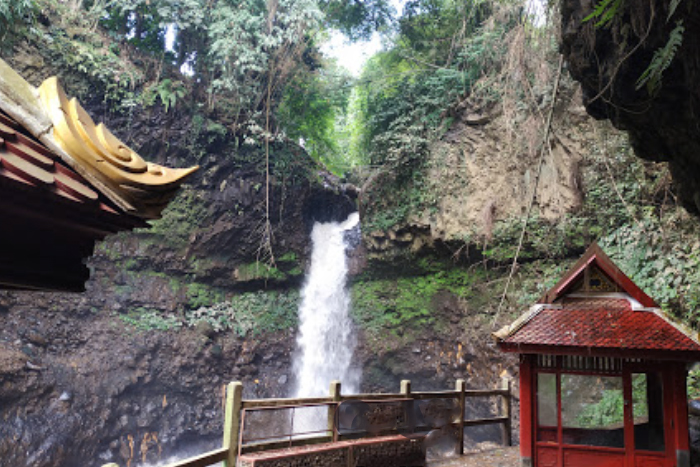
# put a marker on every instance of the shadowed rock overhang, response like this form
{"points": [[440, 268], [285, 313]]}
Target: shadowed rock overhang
{"points": [[618, 63]]}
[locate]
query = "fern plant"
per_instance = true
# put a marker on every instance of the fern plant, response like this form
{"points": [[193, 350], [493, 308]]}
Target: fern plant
{"points": [[604, 12], [167, 90], [672, 8], [661, 60]]}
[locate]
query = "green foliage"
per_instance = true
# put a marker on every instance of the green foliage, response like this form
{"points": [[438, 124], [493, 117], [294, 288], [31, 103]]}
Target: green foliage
{"points": [[287, 266], [97, 65], [651, 77], [183, 215], [249, 313], [601, 212], [138, 22], [167, 91], [543, 238], [443, 50], [405, 305], [201, 295], [14, 14], [310, 107], [357, 19], [664, 263], [258, 271], [694, 383], [605, 12], [255, 312], [426, 25], [251, 50], [67, 38], [151, 320], [235, 56], [289, 257], [609, 410], [536, 278], [672, 8]]}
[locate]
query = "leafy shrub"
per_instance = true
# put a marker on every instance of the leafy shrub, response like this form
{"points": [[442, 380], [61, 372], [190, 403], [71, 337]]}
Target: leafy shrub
{"points": [[180, 219], [167, 91], [255, 312], [201, 295], [151, 320], [14, 13], [406, 304], [664, 263]]}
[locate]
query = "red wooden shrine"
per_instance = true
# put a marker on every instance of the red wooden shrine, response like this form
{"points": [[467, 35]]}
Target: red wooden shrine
{"points": [[602, 374]]}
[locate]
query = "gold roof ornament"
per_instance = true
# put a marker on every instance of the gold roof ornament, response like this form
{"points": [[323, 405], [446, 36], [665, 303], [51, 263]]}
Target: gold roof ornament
{"points": [[147, 186], [138, 187]]}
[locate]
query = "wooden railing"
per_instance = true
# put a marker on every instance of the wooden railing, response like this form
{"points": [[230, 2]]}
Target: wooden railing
{"points": [[235, 407]]}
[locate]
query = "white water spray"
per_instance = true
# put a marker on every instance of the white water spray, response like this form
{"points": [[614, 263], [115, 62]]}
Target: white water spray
{"points": [[325, 342]]}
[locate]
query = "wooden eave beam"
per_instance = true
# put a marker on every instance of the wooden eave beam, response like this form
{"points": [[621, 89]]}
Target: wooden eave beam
{"points": [[677, 355]]}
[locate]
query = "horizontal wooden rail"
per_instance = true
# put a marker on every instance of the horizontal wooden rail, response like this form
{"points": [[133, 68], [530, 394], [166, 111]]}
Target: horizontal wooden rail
{"points": [[375, 397], [291, 402], [264, 403], [236, 406], [269, 445], [203, 460], [485, 421]]}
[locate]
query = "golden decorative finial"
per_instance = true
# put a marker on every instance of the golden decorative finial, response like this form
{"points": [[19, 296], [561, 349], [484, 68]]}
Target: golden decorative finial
{"points": [[149, 187]]}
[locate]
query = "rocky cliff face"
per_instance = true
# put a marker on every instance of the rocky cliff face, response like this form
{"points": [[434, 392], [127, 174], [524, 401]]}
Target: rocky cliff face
{"points": [[483, 171], [108, 376], [117, 374], [609, 60], [81, 388], [85, 379]]}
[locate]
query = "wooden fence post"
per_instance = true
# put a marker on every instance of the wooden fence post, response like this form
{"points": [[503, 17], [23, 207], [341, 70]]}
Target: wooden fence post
{"points": [[409, 407], [234, 403], [332, 409], [506, 412], [406, 387], [459, 386]]}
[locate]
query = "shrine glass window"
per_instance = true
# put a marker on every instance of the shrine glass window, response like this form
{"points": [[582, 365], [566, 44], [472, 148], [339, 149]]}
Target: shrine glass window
{"points": [[547, 407], [647, 405], [592, 410]]}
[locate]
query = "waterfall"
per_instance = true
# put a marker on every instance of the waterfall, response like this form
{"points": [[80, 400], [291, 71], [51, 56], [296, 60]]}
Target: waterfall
{"points": [[325, 341]]}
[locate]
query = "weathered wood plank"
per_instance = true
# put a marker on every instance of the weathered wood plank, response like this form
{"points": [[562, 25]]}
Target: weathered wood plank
{"points": [[203, 460], [506, 412], [459, 387], [485, 421], [371, 397], [335, 395], [269, 445], [235, 404], [232, 418], [290, 402]]}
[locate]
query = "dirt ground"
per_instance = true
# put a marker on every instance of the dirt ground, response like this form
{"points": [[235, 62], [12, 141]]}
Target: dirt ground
{"points": [[493, 457]]}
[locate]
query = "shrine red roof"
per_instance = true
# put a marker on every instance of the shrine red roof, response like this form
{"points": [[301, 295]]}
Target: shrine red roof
{"points": [[597, 310], [600, 329]]}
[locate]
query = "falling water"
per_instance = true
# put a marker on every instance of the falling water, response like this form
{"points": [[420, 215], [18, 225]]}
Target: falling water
{"points": [[325, 342]]}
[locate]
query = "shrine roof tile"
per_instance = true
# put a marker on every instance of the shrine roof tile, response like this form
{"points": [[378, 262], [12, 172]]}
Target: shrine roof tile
{"points": [[25, 160], [605, 327]]}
